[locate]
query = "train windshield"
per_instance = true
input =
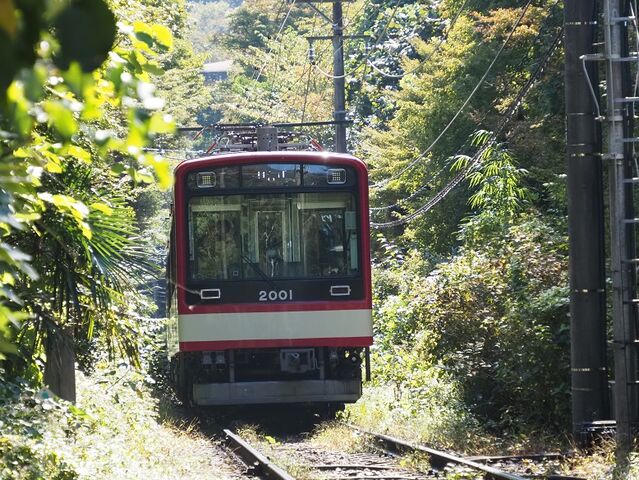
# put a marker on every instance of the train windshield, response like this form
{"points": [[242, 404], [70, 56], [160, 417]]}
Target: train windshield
{"points": [[253, 236]]}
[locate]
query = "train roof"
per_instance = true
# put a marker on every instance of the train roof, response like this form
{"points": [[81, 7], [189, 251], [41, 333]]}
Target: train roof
{"points": [[245, 158]]}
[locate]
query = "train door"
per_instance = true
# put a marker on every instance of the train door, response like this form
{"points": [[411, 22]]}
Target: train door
{"points": [[272, 242]]}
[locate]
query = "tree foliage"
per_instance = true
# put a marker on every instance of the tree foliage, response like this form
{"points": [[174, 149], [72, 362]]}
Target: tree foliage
{"points": [[457, 289], [76, 117], [494, 318]]}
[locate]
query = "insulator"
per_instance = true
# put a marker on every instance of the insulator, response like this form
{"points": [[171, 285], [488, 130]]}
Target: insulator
{"points": [[311, 54]]}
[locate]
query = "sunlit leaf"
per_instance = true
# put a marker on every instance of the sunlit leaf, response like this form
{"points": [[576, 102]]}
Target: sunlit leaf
{"points": [[61, 118], [78, 152], [162, 170], [15, 95], [161, 123], [102, 207], [54, 162], [163, 35]]}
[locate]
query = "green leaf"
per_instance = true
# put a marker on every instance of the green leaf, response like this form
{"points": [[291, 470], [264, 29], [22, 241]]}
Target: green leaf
{"points": [[153, 68], [117, 168], [76, 79], [86, 31], [163, 35], [102, 207], [77, 152], [161, 123], [54, 162], [21, 117], [60, 118], [162, 170]]}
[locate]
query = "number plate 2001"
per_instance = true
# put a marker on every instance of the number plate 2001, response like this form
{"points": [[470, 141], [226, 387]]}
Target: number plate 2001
{"points": [[275, 295]]}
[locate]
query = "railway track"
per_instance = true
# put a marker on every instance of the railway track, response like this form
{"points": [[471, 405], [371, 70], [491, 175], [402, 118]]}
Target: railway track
{"points": [[440, 460], [258, 464], [380, 464]]}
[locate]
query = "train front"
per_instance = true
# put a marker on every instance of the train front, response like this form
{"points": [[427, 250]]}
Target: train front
{"points": [[270, 278]]}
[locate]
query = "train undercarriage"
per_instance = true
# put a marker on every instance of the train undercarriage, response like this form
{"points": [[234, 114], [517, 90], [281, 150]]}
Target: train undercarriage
{"points": [[269, 376]]}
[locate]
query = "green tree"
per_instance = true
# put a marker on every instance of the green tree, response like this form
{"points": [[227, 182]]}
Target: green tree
{"points": [[76, 115]]}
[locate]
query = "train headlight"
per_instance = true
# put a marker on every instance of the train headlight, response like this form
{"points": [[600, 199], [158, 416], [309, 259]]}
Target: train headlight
{"points": [[206, 180], [220, 359], [336, 176], [332, 355]]}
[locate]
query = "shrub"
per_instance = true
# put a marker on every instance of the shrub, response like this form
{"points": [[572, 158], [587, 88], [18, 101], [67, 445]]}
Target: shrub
{"points": [[494, 318]]}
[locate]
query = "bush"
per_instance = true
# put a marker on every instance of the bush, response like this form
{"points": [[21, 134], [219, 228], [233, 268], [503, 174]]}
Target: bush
{"points": [[494, 318], [27, 450]]}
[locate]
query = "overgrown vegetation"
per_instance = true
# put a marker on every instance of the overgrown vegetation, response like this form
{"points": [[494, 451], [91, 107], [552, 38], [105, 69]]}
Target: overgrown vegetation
{"points": [[470, 297], [112, 432], [79, 117]]}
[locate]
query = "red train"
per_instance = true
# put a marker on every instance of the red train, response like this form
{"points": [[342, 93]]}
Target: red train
{"points": [[269, 282]]}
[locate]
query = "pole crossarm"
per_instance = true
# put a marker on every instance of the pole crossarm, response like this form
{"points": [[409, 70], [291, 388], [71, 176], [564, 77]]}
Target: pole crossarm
{"points": [[339, 84], [330, 37]]}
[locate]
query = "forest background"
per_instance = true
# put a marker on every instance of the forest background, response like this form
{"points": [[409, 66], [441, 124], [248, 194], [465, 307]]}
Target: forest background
{"points": [[470, 290], [462, 97]]}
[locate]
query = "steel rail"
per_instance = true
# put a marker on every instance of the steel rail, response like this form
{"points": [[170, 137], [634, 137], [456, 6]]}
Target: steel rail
{"points": [[437, 459], [533, 456], [254, 460]]}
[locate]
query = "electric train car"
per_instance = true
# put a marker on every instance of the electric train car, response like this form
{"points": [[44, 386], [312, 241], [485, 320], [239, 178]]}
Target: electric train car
{"points": [[269, 282]]}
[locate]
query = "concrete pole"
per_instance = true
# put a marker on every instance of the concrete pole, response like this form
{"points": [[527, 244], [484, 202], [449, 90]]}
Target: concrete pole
{"points": [[339, 94], [585, 222]]}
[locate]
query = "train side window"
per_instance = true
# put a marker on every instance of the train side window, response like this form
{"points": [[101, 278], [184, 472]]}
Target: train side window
{"points": [[171, 270], [328, 234], [214, 228]]}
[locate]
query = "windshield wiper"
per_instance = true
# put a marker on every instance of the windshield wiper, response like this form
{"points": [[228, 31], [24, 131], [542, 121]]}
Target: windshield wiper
{"points": [[256, 268]]}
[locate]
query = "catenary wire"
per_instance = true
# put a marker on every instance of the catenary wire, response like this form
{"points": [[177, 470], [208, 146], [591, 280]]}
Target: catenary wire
{"points": [[368, 54], [459, 151], [278, 40], [423, 62], [277, 15], [477, 157], [416, 193], [460, 110]]}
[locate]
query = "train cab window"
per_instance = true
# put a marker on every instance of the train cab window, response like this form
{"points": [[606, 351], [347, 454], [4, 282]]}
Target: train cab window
{"points": [[276, 235], [214, 238], [328, 234]]}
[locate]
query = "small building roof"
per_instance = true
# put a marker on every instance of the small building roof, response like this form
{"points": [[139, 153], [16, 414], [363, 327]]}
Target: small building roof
{"points": [[217, 67]]}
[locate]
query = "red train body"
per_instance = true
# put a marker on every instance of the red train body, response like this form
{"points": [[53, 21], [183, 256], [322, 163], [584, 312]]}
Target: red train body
{"points": [[269, 294]]}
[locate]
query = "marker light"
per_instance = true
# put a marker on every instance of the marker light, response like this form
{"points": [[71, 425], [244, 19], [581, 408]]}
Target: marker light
{"points": [[336, 176], [206, 180]]}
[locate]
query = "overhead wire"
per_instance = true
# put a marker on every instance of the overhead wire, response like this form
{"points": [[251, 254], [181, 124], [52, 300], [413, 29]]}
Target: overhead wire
{"points": [[473, 162], [368, 53], [277, 15], [426, 186], [308, 79], [277, 39], [423, 62], [309, 65], [257, 74], [460, 109]]}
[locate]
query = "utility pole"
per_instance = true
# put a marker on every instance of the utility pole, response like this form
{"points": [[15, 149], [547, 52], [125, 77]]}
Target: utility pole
{"points": [[339, 90], [622, 222], [585, 222], [339, 83]]}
